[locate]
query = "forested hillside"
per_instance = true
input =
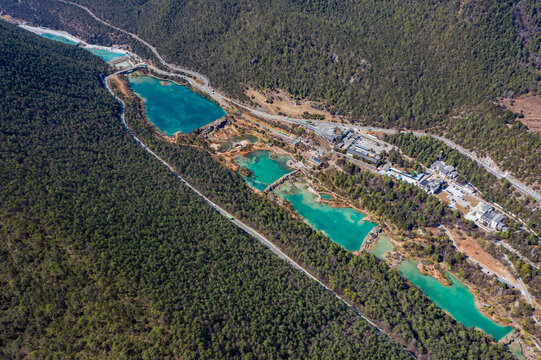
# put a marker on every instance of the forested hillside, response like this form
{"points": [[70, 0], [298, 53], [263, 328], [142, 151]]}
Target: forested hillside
{"points": [[411, 62], [107, 255], [104, 254], [416, 64], [376, 290]]}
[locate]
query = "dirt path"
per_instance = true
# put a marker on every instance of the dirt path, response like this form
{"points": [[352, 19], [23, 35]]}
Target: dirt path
{"points": [[475, 251]]}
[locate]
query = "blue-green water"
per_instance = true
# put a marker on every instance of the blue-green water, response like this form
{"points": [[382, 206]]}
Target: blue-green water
{"points": [[344, 226], [58, 38], [104, 54], [456, 299], [123, 65], [173, 108], [326, 197], [265, 170], [381, 246]]}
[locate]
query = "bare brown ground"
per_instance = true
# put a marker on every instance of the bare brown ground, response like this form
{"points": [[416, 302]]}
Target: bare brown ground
{"points": [[228, 158], [244, 126], [465, 245], [120, 85], [251, 120], [474, 250], [530, 106], [442, 197], [462, 209], [472, 200], [283, 103]]}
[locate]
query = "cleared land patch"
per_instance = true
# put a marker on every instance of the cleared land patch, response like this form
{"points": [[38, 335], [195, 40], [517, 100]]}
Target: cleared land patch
{"points": [[530, 106]]}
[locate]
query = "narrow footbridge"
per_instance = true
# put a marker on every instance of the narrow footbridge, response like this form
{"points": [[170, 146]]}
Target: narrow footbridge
{"points": [[279, 181]]}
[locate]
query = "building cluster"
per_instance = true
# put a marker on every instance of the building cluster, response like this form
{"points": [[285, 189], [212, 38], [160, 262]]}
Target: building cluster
{"points": [[442, 179], [333, 136], [486, 215], [445, 170], [432, 186], [358, 146], [414, 179]]}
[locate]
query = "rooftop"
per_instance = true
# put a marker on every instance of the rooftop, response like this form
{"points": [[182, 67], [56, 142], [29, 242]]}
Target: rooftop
{"points": [[315, 161]]}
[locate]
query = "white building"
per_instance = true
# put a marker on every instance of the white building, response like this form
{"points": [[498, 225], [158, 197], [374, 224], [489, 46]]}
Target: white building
{"points": [[486, 214], [444, 169]]}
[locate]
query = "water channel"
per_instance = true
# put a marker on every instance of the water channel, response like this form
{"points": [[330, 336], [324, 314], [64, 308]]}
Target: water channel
{"points": [[346, 227], [102, 53], [174, 108]]}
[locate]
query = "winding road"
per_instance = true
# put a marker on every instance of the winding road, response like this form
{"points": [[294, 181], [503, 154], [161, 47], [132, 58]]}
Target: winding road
{"points": [[231, 218], [205, 87]]}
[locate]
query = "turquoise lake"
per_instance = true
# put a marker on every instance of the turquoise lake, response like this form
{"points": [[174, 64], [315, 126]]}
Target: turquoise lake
{"points": [[173, 108], [344, 226], [104, 54], [381, 246], [347, 228], [58, 38], [455, 299], [265, 170]]}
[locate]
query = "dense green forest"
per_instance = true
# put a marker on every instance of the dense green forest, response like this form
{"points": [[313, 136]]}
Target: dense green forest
{"points": [[415, 64], [104, 254], [374, 288], [491, 131], [421, 64], [107, 255]]}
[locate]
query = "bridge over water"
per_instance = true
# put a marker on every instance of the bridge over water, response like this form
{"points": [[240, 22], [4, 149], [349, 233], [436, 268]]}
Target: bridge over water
{"points": [[279, 181]]}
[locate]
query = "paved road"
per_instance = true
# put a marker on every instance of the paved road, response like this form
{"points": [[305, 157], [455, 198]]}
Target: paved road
{"points": [[490, 271], [510, 248], [492, 169], [360, 163], [152, 48], [526, 293], [205, 87], [521, 284], [235, 221]]}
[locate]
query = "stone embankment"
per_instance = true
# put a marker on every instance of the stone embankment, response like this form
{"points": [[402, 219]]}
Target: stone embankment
{"points": [[370, 238], [213, 126]]}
